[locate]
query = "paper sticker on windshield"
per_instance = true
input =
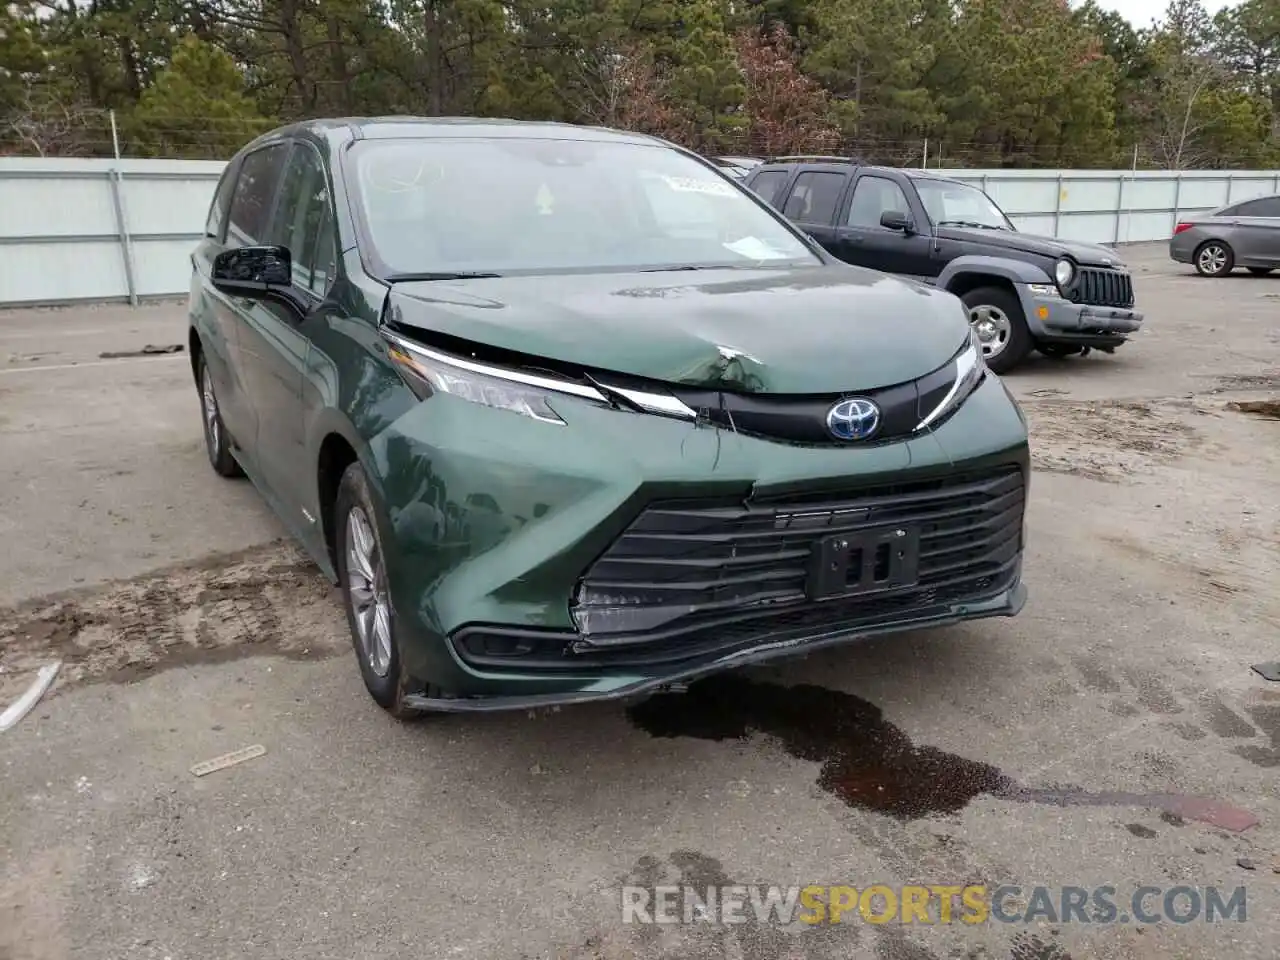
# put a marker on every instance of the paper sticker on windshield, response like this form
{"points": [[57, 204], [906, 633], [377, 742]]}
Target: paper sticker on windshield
{"points": [[545, 201], [690, 185], [754, 249]]}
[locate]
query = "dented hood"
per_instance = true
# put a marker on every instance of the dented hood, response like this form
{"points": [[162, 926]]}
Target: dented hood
{"points": [[828, 329], [1089, 254]]}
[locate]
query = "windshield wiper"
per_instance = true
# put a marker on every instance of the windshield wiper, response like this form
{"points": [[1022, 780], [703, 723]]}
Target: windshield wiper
{"points": [[686, 266], [968, 223], [404, 277]]}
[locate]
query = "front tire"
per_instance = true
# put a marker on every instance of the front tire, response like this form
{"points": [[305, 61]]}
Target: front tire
{"points": [[1214, 258], [366, 595], [996, 315], [1059, 351], [217, 443]]}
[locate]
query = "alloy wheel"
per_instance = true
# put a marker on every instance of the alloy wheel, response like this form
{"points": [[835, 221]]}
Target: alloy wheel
{"points": [[1212, 259], [993, 328], [367, 587]]}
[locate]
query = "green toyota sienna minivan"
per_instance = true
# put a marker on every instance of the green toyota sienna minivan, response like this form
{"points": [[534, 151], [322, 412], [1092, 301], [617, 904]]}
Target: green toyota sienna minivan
{"points": [[569, 415]]}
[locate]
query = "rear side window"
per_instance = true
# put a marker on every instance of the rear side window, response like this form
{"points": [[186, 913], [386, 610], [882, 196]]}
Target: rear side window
{"points": [[1264, 207], [768, 183], [221, 202], [814, 197], [255, 189]]}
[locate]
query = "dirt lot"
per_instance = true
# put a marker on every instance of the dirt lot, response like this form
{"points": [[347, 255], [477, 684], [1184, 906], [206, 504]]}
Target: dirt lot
{"points": [[1111, 734]]}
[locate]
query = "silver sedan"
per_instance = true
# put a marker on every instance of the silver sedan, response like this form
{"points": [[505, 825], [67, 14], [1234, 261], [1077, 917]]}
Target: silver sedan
{"points": [[1242, 234]]}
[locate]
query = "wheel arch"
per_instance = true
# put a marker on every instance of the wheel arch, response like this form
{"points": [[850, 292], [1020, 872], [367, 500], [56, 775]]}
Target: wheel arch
{"points": [[968, 281], [195, 350], [1007, 271], [1214, 238], [334, 455], [336, 444]]}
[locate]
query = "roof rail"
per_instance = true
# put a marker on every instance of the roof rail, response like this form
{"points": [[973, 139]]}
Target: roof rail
{"points": [[814, 157]]}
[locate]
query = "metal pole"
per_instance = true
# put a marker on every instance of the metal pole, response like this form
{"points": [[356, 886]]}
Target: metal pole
{"points": [[1177, 200], [1128, 218], [122, 226], [1057, 206], [1115, 234], [924, 157]]}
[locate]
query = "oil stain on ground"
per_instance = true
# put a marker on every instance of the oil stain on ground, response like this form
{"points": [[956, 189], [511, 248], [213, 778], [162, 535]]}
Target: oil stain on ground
{"points": [[868, 762]]}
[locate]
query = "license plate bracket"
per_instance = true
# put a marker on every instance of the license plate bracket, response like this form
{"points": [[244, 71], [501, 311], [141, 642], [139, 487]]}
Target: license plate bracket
{"points": [[864, 561]]}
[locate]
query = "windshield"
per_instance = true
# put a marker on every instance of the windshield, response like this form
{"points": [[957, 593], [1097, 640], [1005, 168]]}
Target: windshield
{"points": [[959, 204], [511, 205]]}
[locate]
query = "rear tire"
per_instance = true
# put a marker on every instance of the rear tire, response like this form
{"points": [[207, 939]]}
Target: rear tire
{"points": [[217, 443], [366, 595], [1260, 271], [1214, 258], [996, 314]]}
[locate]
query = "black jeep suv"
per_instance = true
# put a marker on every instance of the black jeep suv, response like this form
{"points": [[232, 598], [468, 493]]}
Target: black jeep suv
{"points": [[1024, 292]]}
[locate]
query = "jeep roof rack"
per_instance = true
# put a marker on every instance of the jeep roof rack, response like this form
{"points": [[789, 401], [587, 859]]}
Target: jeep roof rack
{"points": [[813, 158]]}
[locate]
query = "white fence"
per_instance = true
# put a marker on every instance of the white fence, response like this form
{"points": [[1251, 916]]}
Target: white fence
{"points": [[100, 230], [103, 230], [1112, 206]]}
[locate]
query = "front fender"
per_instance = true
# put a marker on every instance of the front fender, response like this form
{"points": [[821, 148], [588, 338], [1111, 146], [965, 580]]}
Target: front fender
{"points": [[1015, 271]]}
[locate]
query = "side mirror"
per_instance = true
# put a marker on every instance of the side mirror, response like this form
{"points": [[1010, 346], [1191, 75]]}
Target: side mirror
{"points": [[255, 272], [895, 220]]}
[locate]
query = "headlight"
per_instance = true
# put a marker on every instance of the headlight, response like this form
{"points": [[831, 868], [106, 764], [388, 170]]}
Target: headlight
{"points": [[969, 369], [524, 393], [1064, 272]]}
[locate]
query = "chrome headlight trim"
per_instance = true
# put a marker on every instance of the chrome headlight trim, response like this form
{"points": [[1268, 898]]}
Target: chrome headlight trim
{"points": [[444, 370], [970, 369]]}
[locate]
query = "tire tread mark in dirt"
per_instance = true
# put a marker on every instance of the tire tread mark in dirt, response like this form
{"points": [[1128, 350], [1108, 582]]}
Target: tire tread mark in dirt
{"points": [[1031, 946], [1105, 440], [1267, 717], [868, 762], [269, 600]]}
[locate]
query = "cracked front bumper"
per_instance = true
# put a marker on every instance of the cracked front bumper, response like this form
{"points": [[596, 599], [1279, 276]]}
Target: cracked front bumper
{"points": [[1056, 318], [1008, 603]]}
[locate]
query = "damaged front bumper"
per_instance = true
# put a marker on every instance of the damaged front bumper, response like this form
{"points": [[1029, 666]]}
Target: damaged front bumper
{"points": [[511, 590], [1007, 603], [1053, 318]]}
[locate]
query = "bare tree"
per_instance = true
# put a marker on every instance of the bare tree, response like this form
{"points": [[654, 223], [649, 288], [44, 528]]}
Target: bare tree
{"points": [[46, 123]]}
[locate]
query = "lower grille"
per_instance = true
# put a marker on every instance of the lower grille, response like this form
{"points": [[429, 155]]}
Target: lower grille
{"points": [[692, 580], [1104, 288], [684, 566]]}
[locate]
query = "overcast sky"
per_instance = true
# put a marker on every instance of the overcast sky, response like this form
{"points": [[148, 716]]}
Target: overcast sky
{"points": [[1141, 12]]}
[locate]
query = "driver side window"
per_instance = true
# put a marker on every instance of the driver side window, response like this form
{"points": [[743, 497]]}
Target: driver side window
{"points": [[251, 203], [303, 221], [873, 196]]}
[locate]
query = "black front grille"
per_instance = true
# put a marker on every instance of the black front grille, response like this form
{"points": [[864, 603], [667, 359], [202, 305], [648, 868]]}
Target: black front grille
{"points": [[685, 566], [1104, 288]]}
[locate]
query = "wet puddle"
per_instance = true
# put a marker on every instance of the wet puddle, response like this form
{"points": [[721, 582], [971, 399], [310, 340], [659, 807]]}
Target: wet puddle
{"points": [[868, 762]]}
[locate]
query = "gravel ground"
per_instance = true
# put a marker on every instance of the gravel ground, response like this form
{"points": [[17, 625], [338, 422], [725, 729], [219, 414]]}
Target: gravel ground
{"points": [[1111, 734]]}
